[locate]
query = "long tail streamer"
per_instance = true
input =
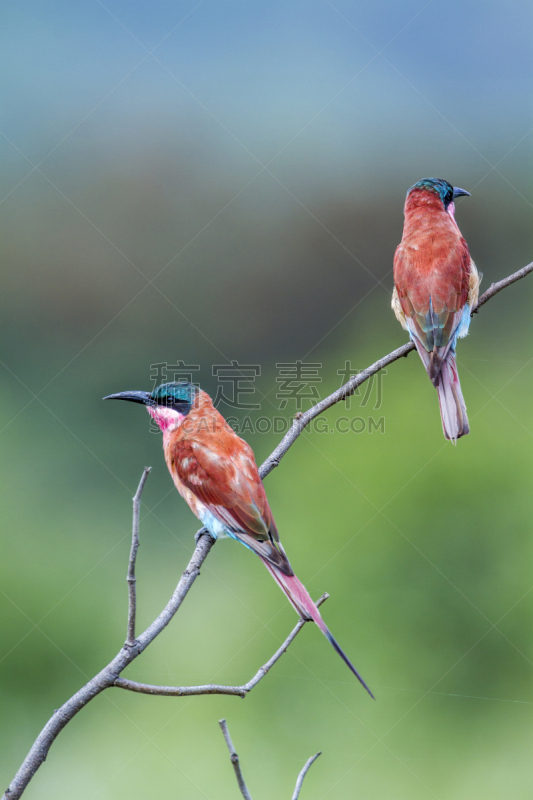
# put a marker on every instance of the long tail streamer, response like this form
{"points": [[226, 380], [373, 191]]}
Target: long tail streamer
{"points": [[303, 604]]}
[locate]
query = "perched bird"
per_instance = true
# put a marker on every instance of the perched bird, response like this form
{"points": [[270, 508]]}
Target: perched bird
{"points": [[214, 470], [436, 286]]}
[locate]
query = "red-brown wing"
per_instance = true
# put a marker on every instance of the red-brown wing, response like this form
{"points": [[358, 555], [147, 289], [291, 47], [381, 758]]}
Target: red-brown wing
{"points": [[221, 472], [435, 269], [231, 483]]}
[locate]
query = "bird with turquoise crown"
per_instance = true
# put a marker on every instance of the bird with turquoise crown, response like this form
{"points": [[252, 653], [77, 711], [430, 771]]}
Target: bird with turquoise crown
{"points": [[215, 472], [436, 286]]}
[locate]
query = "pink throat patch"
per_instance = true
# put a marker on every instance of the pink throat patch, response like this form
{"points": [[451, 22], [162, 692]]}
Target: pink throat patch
{"points": [[451, 212], [167, 418]]}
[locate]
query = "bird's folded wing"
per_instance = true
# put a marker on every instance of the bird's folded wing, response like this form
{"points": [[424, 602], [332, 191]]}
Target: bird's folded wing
{"points": [[433, 289], [227, 482], [435, 331]]}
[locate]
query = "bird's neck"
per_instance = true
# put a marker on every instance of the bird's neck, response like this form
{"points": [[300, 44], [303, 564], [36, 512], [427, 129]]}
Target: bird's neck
{"points": [[425, 210], [203, 418]]}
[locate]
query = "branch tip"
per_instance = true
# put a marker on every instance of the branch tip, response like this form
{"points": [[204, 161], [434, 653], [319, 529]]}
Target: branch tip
{"points": [[131, 579], [310, 761], [108, 677], [234, 758]]}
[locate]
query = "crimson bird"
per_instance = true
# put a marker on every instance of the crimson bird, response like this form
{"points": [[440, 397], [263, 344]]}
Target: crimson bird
{"points": [[436, 286], [215, 472]]}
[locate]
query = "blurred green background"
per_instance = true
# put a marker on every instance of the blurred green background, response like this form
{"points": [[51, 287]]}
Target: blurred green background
{"points": [[216, 181]]}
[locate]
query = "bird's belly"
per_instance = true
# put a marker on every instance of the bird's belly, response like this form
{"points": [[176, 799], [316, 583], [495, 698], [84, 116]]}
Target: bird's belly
{"points": [[206, 517], [213, 525], [216, 528]]}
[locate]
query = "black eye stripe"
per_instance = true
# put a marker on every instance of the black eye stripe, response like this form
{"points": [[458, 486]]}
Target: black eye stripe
{"points": [[182, 406]]}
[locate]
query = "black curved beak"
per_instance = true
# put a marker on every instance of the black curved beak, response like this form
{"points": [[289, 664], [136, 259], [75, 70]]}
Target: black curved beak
{"points": [[459, 192], [136, 397]]}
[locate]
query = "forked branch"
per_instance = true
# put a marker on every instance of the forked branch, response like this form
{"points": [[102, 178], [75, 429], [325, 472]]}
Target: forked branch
{"points": [[133, 647], [215, 688], [110, 675], [107, 676], [237, 767]]}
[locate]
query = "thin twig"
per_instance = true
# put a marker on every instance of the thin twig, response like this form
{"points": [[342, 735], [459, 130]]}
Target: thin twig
{"points": [[350, 386], [235, 761], [302, 775], [132, 593], [302, 421], [214, 688], [237, 767], [109, 676], [494, 288]]}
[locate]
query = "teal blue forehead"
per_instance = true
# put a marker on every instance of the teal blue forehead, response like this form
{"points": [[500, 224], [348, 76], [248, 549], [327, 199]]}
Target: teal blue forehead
{"points": [[180, 392], [437, 185]]}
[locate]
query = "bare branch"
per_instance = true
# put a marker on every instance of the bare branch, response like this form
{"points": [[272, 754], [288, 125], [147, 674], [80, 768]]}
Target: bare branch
{"points": [[237, 767], [107, 677], [284, 647], [132, 593], [302, 420], [178, 691], [214, 688], [133, 647], [494, 288], [310, 761], [235, 761], [110, 675]]}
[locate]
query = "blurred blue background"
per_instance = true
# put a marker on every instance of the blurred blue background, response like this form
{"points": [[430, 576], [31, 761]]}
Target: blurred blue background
{"points": [[211, 182]]}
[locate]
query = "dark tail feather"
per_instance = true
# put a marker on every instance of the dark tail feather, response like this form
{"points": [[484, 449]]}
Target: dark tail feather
{"points": [[346, 660], [451, 401], [434, 366], [304, 606]]}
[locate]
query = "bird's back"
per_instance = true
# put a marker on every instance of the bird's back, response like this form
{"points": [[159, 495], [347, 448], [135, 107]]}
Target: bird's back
{"points": [[432, 273]]}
